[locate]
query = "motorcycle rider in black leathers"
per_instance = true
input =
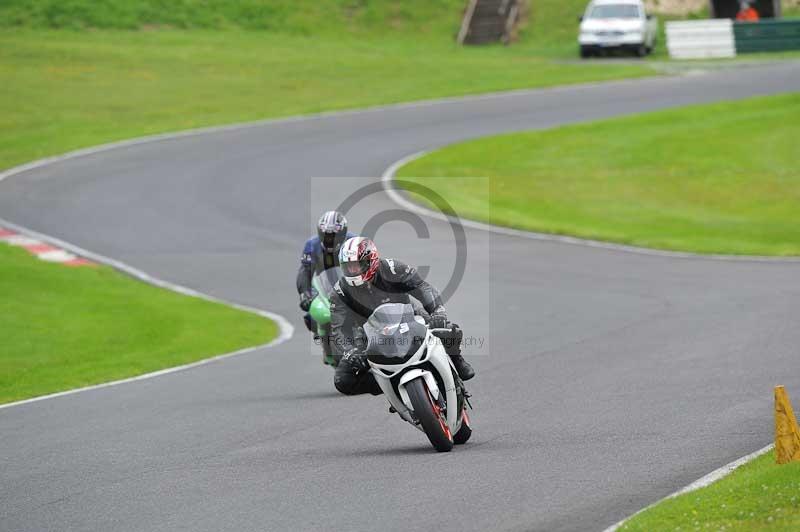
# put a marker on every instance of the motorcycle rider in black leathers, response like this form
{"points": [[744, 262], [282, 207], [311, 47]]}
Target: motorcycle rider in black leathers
{"points": [[369, 282], [320, 253]]}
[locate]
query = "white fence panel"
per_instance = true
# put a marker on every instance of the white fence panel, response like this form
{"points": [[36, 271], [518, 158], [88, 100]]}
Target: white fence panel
{"points": [[697, 39]]}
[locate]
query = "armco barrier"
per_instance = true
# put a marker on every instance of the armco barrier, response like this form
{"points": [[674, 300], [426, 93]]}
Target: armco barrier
{"points": [[696, 39], [767, 36]]}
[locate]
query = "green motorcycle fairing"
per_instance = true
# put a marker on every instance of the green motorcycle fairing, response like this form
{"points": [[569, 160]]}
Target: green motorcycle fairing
{"points": [[320, 309]]}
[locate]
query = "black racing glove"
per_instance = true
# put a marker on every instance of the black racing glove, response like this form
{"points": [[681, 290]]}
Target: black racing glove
{"points": [[356, 360], [352, 376], [438, 318], [306, 298]]}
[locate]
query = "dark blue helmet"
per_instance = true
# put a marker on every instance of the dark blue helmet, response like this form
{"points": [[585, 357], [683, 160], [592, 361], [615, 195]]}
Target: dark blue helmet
{"points": [[332, 231]]}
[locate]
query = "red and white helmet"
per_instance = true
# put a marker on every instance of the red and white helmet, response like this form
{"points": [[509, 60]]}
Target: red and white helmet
{"points": [[359, 260]]}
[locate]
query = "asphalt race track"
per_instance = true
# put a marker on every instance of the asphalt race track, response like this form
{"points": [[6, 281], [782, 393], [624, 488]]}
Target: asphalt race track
{"points": [[608, 379]]}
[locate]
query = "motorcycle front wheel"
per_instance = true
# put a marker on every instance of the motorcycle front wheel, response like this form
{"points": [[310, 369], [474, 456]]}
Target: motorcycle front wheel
{"points": [[430, 415]]}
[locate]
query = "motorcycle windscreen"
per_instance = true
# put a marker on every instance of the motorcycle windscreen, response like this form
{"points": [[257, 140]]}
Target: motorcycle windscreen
{"points": [[393, 334]]}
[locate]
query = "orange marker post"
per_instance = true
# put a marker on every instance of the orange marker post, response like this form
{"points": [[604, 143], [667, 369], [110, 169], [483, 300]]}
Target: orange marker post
{"points": [[787, 433]]}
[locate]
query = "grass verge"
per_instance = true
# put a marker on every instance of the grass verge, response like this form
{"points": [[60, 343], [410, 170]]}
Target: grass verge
{"points": [[65, 327], [77, 73], [64, 89], [760, 495], [719, 178]]}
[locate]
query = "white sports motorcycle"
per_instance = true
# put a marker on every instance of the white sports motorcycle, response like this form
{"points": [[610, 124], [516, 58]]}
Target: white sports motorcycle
{"points": [[412, 368]]}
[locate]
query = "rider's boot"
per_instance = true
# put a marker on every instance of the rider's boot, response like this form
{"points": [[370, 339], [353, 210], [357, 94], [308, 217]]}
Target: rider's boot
{"points": [[463, 368]]}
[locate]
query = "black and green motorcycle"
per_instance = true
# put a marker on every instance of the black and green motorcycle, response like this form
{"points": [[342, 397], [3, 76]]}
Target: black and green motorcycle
{"points": [[320, 310]]}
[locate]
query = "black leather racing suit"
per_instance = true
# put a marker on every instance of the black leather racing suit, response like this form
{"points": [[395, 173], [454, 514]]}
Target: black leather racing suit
{"points": [[351, 306]]}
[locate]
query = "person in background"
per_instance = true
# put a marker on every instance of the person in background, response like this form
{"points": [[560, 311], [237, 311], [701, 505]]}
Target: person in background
{"points": [[747, 13]]}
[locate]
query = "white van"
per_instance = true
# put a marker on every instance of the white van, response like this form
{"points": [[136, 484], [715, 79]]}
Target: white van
{"points": [[617, 24]]}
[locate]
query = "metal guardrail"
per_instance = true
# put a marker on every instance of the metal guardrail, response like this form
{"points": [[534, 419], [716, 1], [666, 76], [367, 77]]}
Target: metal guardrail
{"points": [[692, 39], [767, 35], [696, 39]]}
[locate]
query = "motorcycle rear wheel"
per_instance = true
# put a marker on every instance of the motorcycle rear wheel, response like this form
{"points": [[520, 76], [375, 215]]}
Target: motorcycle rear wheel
{"points": [[429, 415]]}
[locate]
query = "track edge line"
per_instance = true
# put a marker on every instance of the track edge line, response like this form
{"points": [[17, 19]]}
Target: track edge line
{"points": [[285, 329], [707, 480], [389, 186]]}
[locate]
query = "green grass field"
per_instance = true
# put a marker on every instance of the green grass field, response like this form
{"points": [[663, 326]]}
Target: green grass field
{"points": [[550, 24], [63, 89], [75, 74], [79, 72], [758, 496], [65, 327], [720, 178]]}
